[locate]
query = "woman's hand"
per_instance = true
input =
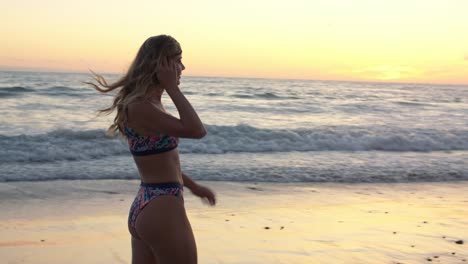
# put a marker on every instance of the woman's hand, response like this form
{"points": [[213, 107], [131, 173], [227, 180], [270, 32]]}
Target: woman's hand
{"points": [[205, 193], [168, 75]]}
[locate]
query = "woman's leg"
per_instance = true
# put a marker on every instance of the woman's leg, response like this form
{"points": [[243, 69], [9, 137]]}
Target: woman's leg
{"points": [[142, 253], [163, 225]]}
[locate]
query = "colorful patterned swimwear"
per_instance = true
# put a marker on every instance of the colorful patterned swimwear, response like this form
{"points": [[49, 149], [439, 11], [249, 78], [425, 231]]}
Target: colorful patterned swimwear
{"points": [[148, 192], [148, 145]]}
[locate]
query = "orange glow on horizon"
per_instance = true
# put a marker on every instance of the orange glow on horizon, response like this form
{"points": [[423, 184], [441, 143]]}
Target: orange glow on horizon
{"points": [[398, 41]]}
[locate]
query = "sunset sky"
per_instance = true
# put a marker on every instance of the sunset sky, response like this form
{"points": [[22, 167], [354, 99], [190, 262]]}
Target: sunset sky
{"points": [[364, 40]]}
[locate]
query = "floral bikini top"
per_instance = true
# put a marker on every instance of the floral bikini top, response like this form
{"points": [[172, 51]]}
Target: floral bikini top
{"points": [[148, 145]]}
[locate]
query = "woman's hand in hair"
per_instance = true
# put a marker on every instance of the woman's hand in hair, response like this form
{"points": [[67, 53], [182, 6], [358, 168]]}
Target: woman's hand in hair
{"points": [[167, 75]]}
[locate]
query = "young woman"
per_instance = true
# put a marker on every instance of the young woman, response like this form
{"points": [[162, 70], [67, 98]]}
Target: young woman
{"points": [[160, 230]]}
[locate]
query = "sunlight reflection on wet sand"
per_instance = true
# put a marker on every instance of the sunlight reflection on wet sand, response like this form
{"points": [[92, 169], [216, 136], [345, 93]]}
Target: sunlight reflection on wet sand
{"points": [[259, 223]]}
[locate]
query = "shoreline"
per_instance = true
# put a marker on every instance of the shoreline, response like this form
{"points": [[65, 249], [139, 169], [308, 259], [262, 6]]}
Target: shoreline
{"points": [[84, 221]]}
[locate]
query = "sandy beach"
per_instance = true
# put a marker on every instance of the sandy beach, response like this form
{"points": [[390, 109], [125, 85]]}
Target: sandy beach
{"points": [[85, 222]]}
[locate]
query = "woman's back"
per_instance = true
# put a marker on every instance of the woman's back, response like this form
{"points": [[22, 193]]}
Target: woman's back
{"points": [[155, 153]]}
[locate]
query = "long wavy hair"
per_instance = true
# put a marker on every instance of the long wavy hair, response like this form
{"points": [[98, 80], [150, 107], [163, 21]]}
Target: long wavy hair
{"points": [[141, 79]]}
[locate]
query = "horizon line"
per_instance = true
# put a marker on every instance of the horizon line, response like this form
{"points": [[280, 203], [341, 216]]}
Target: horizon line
{"points": [[46, 70]]}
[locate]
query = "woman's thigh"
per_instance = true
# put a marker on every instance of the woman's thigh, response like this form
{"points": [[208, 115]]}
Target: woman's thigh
{"points": [[142, 253], [163, 225]]}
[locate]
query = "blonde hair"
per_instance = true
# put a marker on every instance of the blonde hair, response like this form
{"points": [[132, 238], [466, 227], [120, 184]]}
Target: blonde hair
{"points": [[140, 80]]}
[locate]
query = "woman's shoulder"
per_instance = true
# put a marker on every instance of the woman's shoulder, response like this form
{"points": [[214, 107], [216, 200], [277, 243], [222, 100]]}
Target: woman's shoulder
{"points": [[139, 113], [141, 108], [145, 106], [138, 105]]}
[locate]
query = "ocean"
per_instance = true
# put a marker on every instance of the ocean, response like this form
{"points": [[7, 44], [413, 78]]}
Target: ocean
{"points": [[259, 130]]}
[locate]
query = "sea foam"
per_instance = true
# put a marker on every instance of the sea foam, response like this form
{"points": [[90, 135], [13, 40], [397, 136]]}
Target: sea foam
{"points": [[91, 144]]}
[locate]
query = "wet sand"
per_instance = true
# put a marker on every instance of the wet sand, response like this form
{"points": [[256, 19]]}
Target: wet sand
{"points": [[85, 222]]}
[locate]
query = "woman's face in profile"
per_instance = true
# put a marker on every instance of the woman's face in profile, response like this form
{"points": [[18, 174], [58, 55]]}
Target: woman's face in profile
{"points": [[180, 66]]}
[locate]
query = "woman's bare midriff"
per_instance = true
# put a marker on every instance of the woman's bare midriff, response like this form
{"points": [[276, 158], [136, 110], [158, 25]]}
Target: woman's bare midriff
{"points": [[162, 167]]}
